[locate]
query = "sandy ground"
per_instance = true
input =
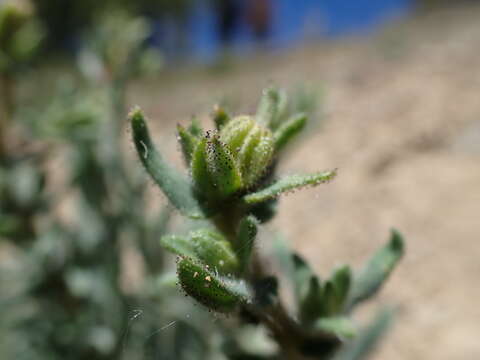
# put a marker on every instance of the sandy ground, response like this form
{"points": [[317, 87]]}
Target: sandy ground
{"points": [[402, 124]]}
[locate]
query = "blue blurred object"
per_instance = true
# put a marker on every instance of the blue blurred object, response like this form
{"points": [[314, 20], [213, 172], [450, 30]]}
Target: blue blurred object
{"points": [[293, 21]]}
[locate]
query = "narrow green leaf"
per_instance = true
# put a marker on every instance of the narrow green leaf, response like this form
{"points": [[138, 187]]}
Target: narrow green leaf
{"points": [[289, 183], [282, 109], [188, 143], [306, 285], [178, 245], [341, 280], [329, 299], [288, 130], [216, 293], [311, 305], [367, 338], [176, 186], [341, 326], [336, 291], [245, 241], [303, 274], [268, 107], [377, 270]]}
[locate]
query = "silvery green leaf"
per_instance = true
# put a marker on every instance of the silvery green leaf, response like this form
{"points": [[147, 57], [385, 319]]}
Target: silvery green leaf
{"points": [[268, 107], [178, 245], [377, 270], [288, 130], [176, 186], [289, 183], [188, 142]]}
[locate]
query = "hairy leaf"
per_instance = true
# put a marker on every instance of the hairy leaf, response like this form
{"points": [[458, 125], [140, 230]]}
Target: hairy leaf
{"points": [[217, 254], [377, 270], [268, 107], [289, 183], [188, 143], [216, 293], [207, 246], [288, 130], [178, 245], [176, 187]]}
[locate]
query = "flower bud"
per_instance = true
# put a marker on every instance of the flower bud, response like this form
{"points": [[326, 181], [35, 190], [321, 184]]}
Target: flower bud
{"points": [[214, 170], [251, 145]]}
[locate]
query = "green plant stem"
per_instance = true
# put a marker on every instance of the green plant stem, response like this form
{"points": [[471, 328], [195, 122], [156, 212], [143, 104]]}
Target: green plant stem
{"points": [[288, 334], [283, 328]]}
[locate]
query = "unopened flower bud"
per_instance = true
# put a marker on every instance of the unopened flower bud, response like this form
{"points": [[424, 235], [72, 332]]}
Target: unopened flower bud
{"points": [[251, 145]]}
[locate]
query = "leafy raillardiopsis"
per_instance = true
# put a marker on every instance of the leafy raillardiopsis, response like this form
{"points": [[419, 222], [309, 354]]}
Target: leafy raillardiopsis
{"points": [[234, 186]]}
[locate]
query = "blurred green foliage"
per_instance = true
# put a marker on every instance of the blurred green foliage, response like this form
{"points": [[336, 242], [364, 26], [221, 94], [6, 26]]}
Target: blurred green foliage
{"points": [[66, 20], [72, 209]]}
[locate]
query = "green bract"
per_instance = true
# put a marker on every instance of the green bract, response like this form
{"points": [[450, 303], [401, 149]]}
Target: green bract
{"points": [[219, 294], [251, 145]]}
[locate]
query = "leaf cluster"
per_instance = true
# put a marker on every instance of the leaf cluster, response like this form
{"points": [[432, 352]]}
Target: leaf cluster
{"points": [[234, 186]]}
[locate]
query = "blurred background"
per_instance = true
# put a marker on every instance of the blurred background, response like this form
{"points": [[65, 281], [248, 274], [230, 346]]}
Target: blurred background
{"points": [[392, 86]]}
